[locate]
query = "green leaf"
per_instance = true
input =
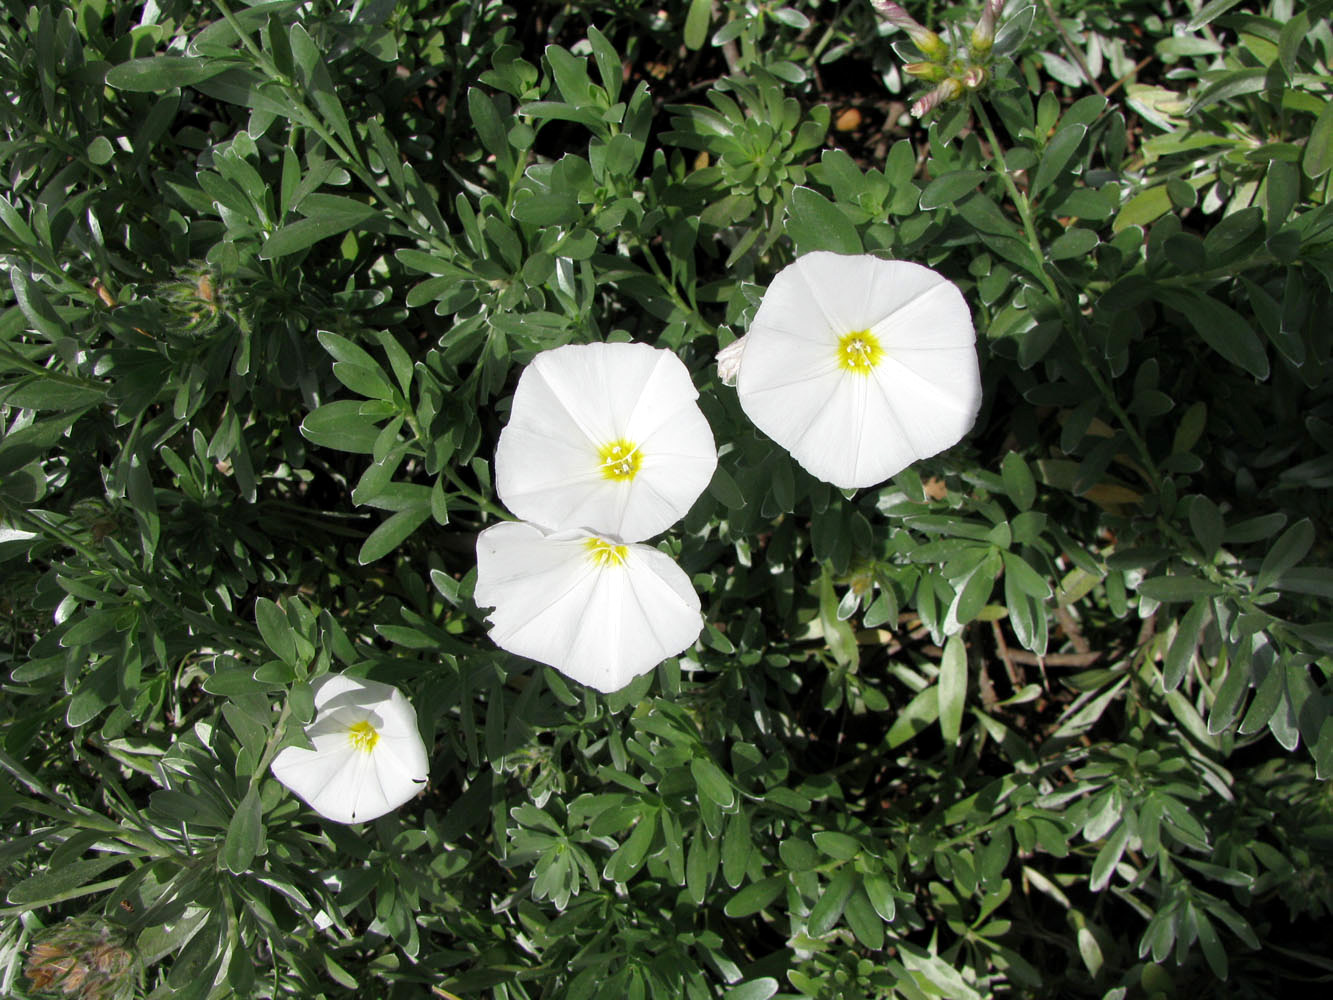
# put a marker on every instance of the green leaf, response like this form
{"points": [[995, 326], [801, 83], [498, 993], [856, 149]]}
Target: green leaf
{"points": [[1090, 951], [952, 688], [755, 989], [1167, 589], [1018, 481], [815, 223], [712, 783], [1027, 579], [245, 834], [824, 915], [1057, 155], [1073, 242], [298, 235], [1210, 12], [392, 533], [66, 881], [1181, 651], [918, 716], [696, 23], [341, 425], [950, 187], [35, 306], [1236, 83], [1108, 857], [276, 630], [48, 394], [725, 491], [736, 848], [861, 917], [1286, 553], [1318, 155], [1221, 327], [1143, 208], [630, 856], [161, 73], [754, 897]]}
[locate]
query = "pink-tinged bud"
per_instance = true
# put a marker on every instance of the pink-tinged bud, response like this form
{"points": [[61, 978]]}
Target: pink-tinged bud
{"points": [[974, 77], [930, 44], [928, 71], [947, 91]]}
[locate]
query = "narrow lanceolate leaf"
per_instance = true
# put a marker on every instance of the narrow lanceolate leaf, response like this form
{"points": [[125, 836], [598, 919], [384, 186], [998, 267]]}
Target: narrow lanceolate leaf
{"points": [[1057, 155], [392, 533], [157, 74], [1319, 149], [61, 883], [303, 233], [245, 834], [952, 688], [1222, 328]]}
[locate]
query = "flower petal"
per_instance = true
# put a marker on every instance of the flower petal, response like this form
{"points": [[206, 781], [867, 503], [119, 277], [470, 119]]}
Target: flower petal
{"points": [[574, 401], [339, 779], [600, 621], [859, 428]]}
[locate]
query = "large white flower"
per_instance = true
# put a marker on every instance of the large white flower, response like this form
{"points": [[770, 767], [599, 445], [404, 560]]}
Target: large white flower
{"points": [[597, 609], [860, 366], [606, 437], [368, 757]]}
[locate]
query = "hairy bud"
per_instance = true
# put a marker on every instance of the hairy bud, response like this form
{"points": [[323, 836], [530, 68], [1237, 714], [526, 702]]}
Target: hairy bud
{"points": [[931, 45], [947, 91]]}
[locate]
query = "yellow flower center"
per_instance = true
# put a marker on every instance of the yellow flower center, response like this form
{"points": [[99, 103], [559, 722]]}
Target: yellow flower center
{"points": [[363, 736], [859, 351], [604, 553], [620, 459]]}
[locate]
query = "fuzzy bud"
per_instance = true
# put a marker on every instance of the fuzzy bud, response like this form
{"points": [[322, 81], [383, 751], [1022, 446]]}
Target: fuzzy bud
{"points": [[83, 960], [947, 91], [983, 35], [931, 45], [928, 71], [974, 77]]}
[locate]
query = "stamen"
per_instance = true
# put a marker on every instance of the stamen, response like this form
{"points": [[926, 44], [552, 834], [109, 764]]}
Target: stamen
{"points": [[363, 736], [620, 459], [859, 352], [604, 553]]}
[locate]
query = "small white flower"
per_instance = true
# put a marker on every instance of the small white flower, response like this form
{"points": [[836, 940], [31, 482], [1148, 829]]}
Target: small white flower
{"points": [[606, 437], [860, 366], [368, 757], [597, 609]]}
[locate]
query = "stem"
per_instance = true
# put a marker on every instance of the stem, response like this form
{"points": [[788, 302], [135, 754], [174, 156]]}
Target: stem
{"points": [[353, 163], [480, 501], [673, 293], [1073, 320]]}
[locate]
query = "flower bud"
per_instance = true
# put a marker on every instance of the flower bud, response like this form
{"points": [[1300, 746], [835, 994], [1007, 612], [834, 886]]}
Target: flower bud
{"points": [[931, 45], [983, 35], [729, 361], [947, 91], [974, 77], [928, 71]]}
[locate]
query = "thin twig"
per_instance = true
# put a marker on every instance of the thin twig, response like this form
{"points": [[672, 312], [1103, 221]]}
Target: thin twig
{"points": [[1124, 79], [1016, 677], [1069, 47]]}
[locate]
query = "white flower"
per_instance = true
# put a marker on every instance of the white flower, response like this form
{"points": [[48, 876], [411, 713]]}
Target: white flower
{"points": [[368, 757], [860, 366], [597, 609], [605, 437]]}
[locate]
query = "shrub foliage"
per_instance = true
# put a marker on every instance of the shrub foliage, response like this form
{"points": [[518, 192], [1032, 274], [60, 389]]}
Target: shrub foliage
{"points": [[1050, 714]]}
